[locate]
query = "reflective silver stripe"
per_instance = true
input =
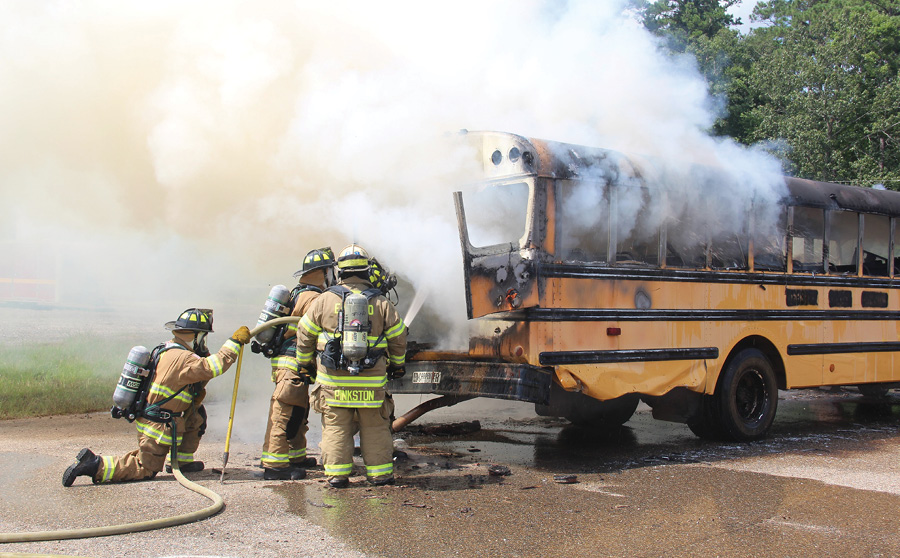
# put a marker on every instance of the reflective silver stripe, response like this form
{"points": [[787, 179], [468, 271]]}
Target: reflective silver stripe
{"points": [[109, 468]]}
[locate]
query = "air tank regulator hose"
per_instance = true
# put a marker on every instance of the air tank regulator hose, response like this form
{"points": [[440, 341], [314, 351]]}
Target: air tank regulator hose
{"points": [[217, 502]]}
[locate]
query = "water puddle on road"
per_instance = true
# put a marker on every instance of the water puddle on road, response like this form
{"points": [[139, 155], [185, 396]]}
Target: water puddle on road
{"points": [[648, 488]]}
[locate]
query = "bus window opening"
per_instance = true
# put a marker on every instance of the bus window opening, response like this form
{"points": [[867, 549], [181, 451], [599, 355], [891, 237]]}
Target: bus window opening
{"points": [[497, 213], [877, 232], [583, 221], [843, 235], [807, 240]]}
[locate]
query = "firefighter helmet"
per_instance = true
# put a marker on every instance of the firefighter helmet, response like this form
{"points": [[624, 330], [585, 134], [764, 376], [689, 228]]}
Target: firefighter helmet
{"points": [[353, 258], [380, 277], [193, 319], [316, 259]]}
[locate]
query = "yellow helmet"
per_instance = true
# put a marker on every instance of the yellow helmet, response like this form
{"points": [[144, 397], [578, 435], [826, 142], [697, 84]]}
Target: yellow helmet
{"points": [[353, 258]]}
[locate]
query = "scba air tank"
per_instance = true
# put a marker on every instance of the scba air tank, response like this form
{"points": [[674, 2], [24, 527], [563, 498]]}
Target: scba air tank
{"points": [[275, 307], [354, 339], [133, 374]]}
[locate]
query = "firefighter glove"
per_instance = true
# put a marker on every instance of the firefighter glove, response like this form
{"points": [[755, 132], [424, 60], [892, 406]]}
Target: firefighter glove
{"points": [[395, 372], [308, 373], [242, 335]]}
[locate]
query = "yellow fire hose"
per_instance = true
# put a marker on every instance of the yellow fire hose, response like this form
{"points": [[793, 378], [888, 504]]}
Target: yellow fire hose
{"points": [[217, 502]]}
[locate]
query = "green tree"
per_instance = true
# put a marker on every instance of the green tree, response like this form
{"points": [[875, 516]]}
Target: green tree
{"points": [[705, 30], [824, 78]]}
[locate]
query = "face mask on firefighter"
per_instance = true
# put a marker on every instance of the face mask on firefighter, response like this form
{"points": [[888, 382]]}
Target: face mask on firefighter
{"points": [[200, 344]]}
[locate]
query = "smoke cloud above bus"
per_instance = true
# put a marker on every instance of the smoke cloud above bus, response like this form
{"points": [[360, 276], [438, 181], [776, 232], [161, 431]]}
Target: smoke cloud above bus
{"points": [[189, 154]]}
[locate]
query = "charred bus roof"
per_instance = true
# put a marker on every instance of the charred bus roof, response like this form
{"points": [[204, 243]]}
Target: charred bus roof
{"points": [[509, 155]]}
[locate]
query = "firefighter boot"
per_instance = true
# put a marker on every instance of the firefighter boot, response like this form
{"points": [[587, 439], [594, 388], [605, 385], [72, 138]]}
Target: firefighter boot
{"points": [[305, 463], [187, 466], [382, 480], [339, 482], [87, 465], [284, 473]]}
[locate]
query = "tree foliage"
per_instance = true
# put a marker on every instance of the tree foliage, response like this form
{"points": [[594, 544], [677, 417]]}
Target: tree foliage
{"points": [[819, 80]]}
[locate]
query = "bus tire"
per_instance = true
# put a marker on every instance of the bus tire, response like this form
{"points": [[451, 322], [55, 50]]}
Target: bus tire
{"points": [[612, 412], [877, 391], [747, 396], [707, 425]]}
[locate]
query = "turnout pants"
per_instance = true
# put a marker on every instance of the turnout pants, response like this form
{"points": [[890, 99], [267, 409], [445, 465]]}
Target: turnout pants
{"points": [[339, 424], [194, 428], [288, 423], [142, 463]]}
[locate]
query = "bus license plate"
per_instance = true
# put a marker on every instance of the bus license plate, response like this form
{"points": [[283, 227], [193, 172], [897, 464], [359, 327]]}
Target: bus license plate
{"points": [[429, 377]]}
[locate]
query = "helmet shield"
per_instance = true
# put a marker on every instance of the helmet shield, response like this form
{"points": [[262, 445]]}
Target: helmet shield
{"points": [[316, 259], [193, 319], [353, 258]]}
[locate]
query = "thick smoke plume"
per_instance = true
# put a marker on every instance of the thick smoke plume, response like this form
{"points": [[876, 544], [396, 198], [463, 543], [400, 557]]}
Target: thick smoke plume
{"points": [[178, 154]]}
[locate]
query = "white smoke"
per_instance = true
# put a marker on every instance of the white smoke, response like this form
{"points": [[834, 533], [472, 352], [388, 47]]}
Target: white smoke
{"points": [[192, 153]]}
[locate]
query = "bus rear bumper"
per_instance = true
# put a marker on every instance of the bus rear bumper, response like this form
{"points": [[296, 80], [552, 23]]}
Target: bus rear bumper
{"points": [[462, 378]]}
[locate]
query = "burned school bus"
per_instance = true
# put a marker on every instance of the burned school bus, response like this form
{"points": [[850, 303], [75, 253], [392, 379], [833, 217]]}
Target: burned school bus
{"points": [[591, 285]]}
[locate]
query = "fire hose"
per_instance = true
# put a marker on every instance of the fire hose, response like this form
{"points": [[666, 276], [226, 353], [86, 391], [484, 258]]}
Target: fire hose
{"points": [[217, 502]]}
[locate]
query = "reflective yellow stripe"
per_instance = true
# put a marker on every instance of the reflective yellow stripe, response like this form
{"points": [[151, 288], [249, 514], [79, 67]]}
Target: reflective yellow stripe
{"points": [[379, 470], [215, 363], [343, 469], [165, 392], [297, 454], [309, 326], [109, 468], [305, 358], [351, 381], [280, 458], [185, 457], [397, 359], [376, 341], [284, 362], [355, 404], [233, 346], [396, 330], [155, 433]]}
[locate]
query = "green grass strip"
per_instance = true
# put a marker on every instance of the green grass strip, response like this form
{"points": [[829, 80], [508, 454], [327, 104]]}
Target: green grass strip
{"points": [[77, 375]]}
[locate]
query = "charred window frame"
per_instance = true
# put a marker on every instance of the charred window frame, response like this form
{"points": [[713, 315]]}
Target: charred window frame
{"points": [[876, 245], [634, 237], [842, 231], [768, 237], [582, 220], [808, 240], [729, 248], [895, 247]]}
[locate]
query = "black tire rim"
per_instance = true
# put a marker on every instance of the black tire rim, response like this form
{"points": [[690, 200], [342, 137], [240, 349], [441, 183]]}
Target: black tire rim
{"points": [[751, 398]]}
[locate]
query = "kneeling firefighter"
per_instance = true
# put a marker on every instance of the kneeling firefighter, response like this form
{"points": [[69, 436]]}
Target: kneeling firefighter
{"points": [[284, 449], [162, 399], [361, 341]]}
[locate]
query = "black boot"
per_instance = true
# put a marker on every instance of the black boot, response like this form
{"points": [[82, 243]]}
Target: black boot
{"points": [[88, 464], [284, 473], [305, 463], [382, 480], [339, 482], [187, 467]]}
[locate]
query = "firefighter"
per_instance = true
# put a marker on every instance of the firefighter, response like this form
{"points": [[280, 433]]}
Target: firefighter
{"points": [[284, 450], [350, 394], [179, 366]]}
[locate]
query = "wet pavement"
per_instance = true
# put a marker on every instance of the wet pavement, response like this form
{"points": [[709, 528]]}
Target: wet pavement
{"points": [[825, 483], [650, 488]]}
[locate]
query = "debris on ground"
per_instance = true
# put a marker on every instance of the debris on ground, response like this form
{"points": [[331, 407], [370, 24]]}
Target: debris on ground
{"points": [[451, 429], [498, 470], [565, 479]]}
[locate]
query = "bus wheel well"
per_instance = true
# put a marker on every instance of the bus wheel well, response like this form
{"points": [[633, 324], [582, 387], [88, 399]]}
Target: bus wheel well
{"points": [[767, 348]]}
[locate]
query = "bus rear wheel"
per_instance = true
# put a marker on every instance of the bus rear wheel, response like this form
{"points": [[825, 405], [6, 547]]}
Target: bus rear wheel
{"points": [[746, 397], [598, 414]]}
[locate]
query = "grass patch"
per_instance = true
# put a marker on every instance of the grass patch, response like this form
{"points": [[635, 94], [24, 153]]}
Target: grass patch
{"points": [[77, 375]]}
